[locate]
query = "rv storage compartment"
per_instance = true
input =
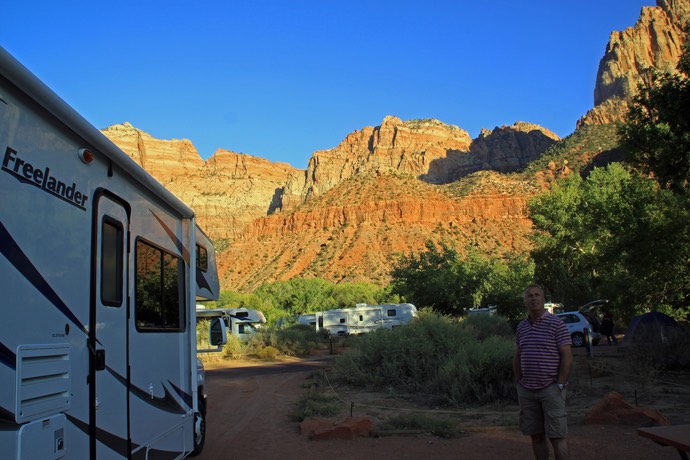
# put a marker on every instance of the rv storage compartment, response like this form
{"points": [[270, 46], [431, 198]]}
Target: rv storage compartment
{"points": [[43, 381], [44, 439]]}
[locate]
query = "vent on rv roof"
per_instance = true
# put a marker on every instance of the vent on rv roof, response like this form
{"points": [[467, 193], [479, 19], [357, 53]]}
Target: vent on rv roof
{"points": [[43, 381]]}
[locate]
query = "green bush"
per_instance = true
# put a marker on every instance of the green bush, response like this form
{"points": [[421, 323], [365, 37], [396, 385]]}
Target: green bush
{"points": [[297, 340], [453, 361]]}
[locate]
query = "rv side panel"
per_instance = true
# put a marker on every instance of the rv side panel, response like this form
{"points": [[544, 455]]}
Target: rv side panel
{"points": [[99, 272]]}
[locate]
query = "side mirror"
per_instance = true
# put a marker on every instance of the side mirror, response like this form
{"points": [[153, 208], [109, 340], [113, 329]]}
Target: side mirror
{"points": [[218, 335]]}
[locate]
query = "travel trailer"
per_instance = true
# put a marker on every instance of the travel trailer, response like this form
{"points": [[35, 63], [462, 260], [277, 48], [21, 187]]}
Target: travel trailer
{"points": [[490, 310], [361, 319], [100, 270], [241, 322]]}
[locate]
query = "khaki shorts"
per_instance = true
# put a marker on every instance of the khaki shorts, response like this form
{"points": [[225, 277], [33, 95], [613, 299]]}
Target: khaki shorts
{"points": [[543, 411]]}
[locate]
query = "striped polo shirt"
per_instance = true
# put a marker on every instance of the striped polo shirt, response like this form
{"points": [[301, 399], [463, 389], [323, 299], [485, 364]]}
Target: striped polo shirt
{"points": [[539, 342]]}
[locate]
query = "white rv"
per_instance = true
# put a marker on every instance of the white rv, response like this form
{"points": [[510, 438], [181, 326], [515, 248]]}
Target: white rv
{"points": [[100, 269], [241, 322], [361, 319]]}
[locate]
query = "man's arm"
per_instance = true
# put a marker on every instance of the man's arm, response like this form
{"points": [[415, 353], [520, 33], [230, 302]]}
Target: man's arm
{"points": [[566, 364]]}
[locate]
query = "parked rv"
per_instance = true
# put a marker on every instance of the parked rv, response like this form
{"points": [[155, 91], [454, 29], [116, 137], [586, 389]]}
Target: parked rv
{"points": [[100, 269], [241, 322], [361, 319], [490, 310]]}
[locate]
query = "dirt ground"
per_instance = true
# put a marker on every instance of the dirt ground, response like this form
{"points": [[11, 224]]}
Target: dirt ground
{"points": [[250, 405]]}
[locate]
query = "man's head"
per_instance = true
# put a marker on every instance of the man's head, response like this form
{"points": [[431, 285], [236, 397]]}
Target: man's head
{"points": [[534, 298]]}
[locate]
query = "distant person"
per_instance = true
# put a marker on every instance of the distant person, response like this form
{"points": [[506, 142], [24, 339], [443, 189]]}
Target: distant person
{"points": [[606, 328], [542, 364]]}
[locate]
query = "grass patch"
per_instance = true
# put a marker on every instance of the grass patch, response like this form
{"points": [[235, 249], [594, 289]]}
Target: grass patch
{"points": [[446, 428], [316, 403]]}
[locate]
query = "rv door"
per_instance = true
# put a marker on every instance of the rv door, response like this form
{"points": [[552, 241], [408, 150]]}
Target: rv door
{"points": [[109, 410]]}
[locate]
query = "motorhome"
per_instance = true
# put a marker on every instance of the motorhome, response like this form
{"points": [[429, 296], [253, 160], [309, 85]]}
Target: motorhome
{"points": [[361, 319], [100, 270], [241, 322]]}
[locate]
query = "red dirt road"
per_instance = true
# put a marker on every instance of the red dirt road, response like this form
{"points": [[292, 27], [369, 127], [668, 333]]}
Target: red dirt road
{"points": [[248, 417]]}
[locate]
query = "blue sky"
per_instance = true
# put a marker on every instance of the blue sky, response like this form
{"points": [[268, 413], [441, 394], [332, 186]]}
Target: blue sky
{"points": [[280, 79]]}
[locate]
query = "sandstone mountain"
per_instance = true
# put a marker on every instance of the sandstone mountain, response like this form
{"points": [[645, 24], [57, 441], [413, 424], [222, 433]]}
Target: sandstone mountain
{"points": [[227, 192], [388, 189], [231, 190], [425, 149], [654, 42]]}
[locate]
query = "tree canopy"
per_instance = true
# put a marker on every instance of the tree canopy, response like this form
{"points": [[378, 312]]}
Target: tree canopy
{"points": [[450, 283]]}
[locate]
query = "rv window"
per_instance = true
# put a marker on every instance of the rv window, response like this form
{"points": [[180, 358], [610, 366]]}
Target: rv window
{"points": [[159, 290], [242, 314], [391, 312], [111, 262], [342, 320], [201, 258]]}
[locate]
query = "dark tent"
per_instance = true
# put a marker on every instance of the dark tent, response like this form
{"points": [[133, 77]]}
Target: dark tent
{"points": [[655, 328]]}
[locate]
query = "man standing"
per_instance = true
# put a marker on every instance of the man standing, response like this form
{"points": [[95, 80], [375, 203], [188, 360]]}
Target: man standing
{"points": [[542, 364]]}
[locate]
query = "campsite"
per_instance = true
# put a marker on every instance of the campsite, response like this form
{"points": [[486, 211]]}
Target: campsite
{"points": [[614, 390], [268, 393]]}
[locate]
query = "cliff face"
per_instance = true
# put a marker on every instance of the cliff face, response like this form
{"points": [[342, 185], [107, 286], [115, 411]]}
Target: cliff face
{"points": [[227, 192], [231, 190], [355, 232], [655, 41], [426, 149], [163, 159]]}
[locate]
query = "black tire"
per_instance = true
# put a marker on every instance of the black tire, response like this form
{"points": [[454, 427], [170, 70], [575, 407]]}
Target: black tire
{"points": [[200, 435], [578, 339]]}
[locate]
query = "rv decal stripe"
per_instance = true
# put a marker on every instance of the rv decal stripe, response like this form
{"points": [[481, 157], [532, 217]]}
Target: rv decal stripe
{"points": [[119, 444], [166, 403], [41, 178], [176, 241], [202, 283], [11, 250], [116, 443], [186, 397], [8, 357]]}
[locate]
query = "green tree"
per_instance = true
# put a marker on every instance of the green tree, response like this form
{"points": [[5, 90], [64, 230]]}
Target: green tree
{"points": [[442, 279], [614, 235], [657, 131], [298, 295], [302, 295]]}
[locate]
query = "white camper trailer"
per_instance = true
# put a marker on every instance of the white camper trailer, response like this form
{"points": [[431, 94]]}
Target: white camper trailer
{"points": [[361, 319], [241, 322], [100, 268]]}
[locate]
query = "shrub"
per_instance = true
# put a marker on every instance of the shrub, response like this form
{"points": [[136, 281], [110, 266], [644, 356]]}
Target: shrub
{"points": [[454, 361], [268, 352], [297, 340], [234, 348]]}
